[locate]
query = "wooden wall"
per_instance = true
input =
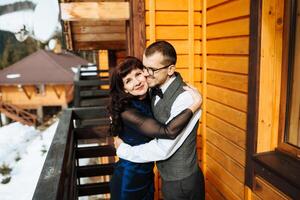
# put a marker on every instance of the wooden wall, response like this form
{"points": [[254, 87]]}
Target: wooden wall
{"points": [[178, 22], [59, 95], [95, 34], [227, 85], [270, 86]]}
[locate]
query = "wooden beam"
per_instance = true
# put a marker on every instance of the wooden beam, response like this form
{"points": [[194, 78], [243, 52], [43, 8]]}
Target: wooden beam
{"points": [[152, 23], [57, 92], [137, 29], [28, 94], [80, 11], [204, 89], [91, 45], [191, 39]]}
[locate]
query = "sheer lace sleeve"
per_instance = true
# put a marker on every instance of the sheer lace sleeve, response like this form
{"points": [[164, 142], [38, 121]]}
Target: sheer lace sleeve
{"points": [[152, 128]]}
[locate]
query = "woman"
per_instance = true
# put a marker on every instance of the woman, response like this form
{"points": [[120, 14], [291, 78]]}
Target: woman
{"points": [[133, 122]]}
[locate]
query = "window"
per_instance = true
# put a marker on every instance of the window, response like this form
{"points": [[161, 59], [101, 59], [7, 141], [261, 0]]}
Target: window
{"points": [[279, 167], [293, 101], [289, 140]]}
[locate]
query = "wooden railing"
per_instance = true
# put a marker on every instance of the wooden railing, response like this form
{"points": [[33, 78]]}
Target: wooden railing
{"points": [[86, 123], [88, 87], [61, 174], [18, 114]]}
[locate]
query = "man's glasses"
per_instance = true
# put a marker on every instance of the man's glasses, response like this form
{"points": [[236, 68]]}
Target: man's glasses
{"points": [[151, 70]]}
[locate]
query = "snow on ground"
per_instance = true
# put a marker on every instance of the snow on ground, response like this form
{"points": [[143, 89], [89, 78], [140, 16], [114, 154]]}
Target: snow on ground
{"points": [[23, 149]]}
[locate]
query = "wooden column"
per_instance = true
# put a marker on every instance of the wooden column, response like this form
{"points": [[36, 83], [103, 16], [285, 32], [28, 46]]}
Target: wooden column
{"points": [[136, 34], [4, 119], [191, 39], [152, 21], [270, 75], [40, 114], [204, 86]]}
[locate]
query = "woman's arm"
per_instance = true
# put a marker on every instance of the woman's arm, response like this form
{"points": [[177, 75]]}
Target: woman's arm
{"points": [[152, 128]]}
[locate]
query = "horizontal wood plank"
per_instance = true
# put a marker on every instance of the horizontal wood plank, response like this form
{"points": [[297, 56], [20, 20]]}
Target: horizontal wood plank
{"points": [[182, 47], [99, 37], [212, 3], [266, 191], [88, 23], [208, 197], [174, 5], [185, 74], [235, 117], [227, 163], [238, 8], [173, 32], [236, 64], [92, 45], [227, 80], [255, 197], [212, 191], [183, 61], [97, 29], [227, 178], [93, 189], [228, 97], [231, 150], [173, 18], [239, 46], [232, 133], [223, 188], [97, 151], [94, 11], [228, 29]]}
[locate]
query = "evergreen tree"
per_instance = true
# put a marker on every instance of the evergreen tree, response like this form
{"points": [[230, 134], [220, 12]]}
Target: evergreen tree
{"points": [[12, 50]]}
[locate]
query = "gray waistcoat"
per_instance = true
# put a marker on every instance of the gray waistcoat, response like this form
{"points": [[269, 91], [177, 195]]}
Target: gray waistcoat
{"points": [[183, 162]]}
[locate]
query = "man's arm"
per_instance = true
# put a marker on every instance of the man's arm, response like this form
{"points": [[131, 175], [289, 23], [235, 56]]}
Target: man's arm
{"points": [[161, 149]]}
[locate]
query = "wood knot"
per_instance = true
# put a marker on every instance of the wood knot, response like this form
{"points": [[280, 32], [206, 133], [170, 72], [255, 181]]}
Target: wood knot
{"points": [[279, 21]]}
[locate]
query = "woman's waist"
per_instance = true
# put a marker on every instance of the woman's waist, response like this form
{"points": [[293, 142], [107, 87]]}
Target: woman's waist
{"points": [[135, 166], [135, 140]]}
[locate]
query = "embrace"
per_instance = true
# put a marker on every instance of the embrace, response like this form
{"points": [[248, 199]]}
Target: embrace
{"points": [[156, 116]]}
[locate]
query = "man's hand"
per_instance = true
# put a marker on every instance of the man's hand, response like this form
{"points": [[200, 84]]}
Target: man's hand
{"points": [[117, 142]]}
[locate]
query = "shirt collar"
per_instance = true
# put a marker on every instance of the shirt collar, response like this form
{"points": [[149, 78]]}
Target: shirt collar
{"points": [[164, 86]]}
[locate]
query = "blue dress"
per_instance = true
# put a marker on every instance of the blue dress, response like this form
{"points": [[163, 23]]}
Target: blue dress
{"points": [[133, 181]]}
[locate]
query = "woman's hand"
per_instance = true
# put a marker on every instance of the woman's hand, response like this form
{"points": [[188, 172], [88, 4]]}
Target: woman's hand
{"points": [[196, 97], [117, 142]]}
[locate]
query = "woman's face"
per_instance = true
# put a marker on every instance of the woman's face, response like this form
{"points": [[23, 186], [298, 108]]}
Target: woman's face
{"points": [[135, 83]]}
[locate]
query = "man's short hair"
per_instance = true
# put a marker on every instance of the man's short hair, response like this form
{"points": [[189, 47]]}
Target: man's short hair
{"points": [[166, 49]]}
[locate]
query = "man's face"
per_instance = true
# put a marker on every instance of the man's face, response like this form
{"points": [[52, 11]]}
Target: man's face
{"points": [[160, 76]]}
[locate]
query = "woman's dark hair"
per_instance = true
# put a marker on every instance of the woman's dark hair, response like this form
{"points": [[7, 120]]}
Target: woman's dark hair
{"points": [[119, 99]]}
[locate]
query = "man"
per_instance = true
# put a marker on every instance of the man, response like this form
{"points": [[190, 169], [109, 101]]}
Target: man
{"points": [[176, 159]]}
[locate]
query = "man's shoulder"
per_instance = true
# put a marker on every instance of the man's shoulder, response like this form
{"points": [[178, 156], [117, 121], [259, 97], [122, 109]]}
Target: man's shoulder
{"points": [[185, 94], [184, 98]]}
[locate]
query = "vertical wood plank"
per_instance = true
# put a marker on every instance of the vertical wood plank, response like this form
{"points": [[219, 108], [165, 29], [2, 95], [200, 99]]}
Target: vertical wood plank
{"points": [[152, 20], [152, 38], [294, 133], [253, 87], [270, 75], [137, 28], [279, 5], [191, 37], [204, 86]]}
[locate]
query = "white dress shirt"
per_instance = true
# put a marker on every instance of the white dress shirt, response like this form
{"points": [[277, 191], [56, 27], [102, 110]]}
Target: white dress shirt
{"points": [[162, 149]]}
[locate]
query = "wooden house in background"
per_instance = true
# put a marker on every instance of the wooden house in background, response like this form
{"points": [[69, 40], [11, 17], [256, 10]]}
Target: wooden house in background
{"points": [[42, 79], [243, 55]]}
